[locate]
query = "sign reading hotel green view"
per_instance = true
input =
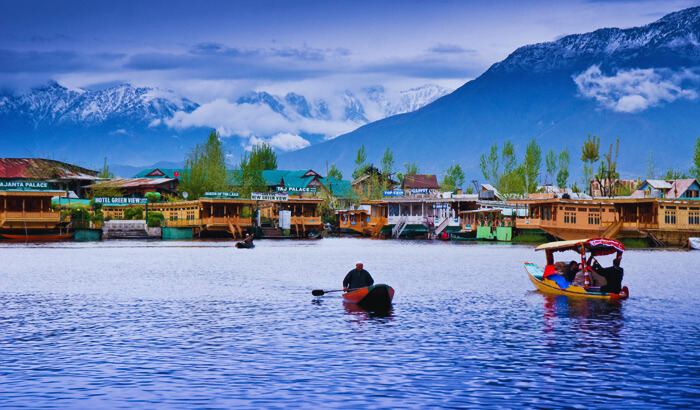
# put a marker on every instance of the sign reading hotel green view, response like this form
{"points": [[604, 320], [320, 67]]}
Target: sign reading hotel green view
{"points": [[117, 201], [221, 194], [259, 196], [294, 190], [24, 185]]}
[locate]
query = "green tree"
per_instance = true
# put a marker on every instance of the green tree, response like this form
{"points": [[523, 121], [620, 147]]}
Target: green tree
{"points": [[489, 165], [360, 163], [507, 181], [563, 174], [248, 177], [589, 155], [532, 164], [550, 162], [334, 173], [695, 169], [675, 174], [607, 171], [411, 169], [652, 172], [453, 178], [387, 162], [263, 157], [205, 168], [104, 172]]}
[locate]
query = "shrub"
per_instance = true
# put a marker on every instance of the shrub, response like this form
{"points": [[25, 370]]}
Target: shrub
{"points": [[245, 212]]}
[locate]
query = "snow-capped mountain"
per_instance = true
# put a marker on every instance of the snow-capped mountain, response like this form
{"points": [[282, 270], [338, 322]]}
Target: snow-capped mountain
{"points": [[349, 106], [640, 84], [54, 104]]}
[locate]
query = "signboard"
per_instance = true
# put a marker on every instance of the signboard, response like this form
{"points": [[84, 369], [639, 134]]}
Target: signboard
{"points": [[294, 190], [221, 194], [441, 206], [260, 196], [416, 191], [395, 192], [24, 185], [114, 201]]}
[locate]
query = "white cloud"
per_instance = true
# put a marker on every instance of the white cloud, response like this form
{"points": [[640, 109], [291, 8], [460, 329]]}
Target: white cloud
{"points": [[636, 90], [282, 141], [248, 120]]}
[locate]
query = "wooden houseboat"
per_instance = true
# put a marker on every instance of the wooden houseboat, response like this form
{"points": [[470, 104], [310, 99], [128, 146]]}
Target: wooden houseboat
{"points": [[370, 219], [661, 221], [427, 214], [488, 224], [28, 214], [233, 216]]}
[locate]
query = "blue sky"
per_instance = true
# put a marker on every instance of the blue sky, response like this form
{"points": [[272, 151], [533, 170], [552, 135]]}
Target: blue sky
{"points": [[221, 49]]}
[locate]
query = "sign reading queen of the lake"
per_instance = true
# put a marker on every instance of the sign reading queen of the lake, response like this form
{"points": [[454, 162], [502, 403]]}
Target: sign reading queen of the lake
{"points": [[221, 194], [24, 185], [118, 201]]}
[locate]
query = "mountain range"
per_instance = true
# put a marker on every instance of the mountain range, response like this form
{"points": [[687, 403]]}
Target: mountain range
{"points": [[133, 125], [638, 84]]}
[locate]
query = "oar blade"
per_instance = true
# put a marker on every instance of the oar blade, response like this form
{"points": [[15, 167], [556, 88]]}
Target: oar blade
{"points": [[317, 292]]}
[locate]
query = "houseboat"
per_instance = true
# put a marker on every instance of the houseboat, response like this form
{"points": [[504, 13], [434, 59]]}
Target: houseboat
{"points": [[370, 219], [427, 214], [29, 215], [661, 221]]}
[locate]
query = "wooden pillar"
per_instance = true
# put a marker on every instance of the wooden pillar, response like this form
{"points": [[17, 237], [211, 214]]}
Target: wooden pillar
{"points": [[41, 208], [23, 213]]}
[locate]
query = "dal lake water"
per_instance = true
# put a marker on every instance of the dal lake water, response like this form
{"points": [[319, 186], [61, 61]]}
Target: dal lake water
{"points": [[202, 324]]}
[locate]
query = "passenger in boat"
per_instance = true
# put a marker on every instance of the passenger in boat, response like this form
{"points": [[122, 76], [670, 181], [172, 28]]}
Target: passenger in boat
{"points": [[567, 270], [357, 278], [612, 275]]}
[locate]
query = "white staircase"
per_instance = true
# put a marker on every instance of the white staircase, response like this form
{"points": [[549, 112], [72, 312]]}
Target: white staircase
{"points": [[399, 227], [442, 226]]}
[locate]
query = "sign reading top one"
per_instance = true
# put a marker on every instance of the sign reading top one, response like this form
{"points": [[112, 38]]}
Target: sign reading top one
{"points": [[395, 192], [24, 185], [259, 196], [221, 194], [294, 190], [120, 201]]}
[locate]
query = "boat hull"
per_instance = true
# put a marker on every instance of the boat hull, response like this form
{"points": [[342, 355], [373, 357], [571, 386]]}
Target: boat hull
{"points": [[37, 238], [244, 245], [371, 297], [561, 287]]}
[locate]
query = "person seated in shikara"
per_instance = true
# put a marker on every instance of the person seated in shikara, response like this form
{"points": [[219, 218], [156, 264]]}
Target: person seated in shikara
{"points": [[612, 276], [567, 270], [357, 278], [248, 238]]}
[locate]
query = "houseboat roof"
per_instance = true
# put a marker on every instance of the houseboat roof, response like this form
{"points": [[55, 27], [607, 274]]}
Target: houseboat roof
{"points": [[420, 182], [49, 194], [657, 183], [43, 169], [679, 187], [132, 182], [159, 173]]}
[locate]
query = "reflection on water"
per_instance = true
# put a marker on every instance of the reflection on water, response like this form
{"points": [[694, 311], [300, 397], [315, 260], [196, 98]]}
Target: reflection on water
{"points": [[358, 312], [201, 324]]}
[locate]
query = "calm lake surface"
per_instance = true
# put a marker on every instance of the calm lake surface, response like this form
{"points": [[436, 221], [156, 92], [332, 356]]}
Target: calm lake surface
{"points": [[202, 324]]}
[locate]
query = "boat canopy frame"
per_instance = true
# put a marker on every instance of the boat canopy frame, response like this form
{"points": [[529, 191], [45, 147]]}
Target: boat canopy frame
{"points": [[595, 246]]}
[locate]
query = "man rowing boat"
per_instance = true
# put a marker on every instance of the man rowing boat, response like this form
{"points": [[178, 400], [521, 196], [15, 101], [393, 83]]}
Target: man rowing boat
{"points": [[357, 278]]}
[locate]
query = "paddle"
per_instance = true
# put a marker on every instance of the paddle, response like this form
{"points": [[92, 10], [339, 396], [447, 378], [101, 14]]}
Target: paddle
{"points": [[321, 292]]}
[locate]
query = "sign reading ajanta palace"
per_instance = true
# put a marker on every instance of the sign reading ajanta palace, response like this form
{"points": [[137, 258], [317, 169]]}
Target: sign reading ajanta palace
{"points": [[24, 185]]}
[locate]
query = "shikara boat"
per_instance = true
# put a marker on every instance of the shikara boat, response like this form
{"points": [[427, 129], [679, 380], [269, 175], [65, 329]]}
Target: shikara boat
{"points": [[548, 280], [245, 245], [37, 238], [371, 297]]}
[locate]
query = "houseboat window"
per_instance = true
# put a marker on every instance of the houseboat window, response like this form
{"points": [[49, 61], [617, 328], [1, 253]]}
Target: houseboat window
{"points": [[670, 207], [682, 208], [594, 219], [670, 217], [570, 208], [569, 217], [582, 209], [694, 218]]}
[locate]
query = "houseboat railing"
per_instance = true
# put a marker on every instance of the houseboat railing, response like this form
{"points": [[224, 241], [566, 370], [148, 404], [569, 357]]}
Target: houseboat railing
{"points": [[32, 215]]}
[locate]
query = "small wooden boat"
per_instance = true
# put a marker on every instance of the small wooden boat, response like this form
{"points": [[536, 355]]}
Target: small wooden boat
{"points": [[548, 280], [314, 235], [245, 245], [37, 238], [371, 297]]}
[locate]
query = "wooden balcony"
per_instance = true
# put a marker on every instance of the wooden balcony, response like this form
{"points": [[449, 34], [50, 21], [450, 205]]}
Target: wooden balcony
{"points": [[31, 216]]}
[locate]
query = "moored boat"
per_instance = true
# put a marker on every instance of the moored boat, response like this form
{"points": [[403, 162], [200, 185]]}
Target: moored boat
{"points": [[548, 280], [36, 238], [245, 245], [371, 297]]}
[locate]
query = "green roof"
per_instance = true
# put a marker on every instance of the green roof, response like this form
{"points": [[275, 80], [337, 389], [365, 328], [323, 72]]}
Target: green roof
{"points": [[169, 173], [72, 202], [341, 188]]}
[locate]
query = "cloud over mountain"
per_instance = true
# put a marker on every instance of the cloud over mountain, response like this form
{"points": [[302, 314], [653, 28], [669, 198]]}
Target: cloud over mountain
{"points": [[635, 90]]}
